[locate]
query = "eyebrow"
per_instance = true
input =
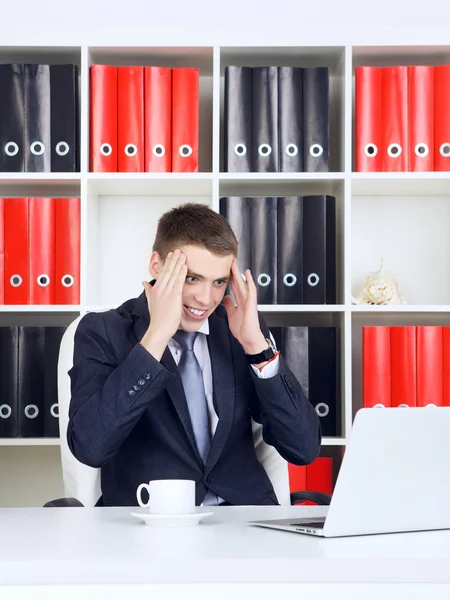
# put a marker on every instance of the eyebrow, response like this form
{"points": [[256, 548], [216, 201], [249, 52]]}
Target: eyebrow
{"points": [[190, 273]]}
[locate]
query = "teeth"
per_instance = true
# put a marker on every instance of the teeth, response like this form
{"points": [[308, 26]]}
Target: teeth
{"points": [[197, 313]]}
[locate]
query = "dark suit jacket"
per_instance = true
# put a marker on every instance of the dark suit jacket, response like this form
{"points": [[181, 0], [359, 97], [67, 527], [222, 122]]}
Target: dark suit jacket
{"points": [[128, 413]]}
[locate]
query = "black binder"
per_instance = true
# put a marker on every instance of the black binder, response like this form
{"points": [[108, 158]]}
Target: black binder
{"points": [[31, 381], [263, 247], [323, 384], [53, 336], [265, 119], [316, 119], [9, 377], [290, 250], [290, 119], [238, 119], [319, 252], [237, 211], [64, 108], [11, 118], [37, 145]]}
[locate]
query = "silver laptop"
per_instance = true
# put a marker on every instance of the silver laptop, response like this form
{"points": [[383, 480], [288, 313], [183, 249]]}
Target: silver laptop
{"points": [[394, 477]]}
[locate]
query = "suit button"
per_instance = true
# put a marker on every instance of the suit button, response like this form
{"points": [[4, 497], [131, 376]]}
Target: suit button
{"points": [[136, 388], [208, 479], [141, 382], [147, 376], [131, 392]]}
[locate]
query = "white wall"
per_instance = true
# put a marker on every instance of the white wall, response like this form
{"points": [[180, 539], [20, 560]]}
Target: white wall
{"points": [[265, 22]]}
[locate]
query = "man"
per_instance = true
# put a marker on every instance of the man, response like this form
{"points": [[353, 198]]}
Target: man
{"points": [[165, 386]]}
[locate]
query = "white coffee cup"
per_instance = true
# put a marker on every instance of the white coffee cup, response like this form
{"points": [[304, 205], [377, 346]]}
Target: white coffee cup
{"points": [[168, 496]]}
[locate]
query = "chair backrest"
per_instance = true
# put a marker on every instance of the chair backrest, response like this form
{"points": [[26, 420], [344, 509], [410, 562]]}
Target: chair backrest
{"points": [[83, 482]]}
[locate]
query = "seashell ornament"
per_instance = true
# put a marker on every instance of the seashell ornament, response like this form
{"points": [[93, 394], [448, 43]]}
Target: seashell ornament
{"points": [[380, 288]]}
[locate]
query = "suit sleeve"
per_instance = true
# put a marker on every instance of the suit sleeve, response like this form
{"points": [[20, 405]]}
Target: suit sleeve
{"points": [[107, 398], [289, 420]]}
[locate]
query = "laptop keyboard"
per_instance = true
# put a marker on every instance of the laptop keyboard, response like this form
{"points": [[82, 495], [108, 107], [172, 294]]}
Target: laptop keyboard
{"points": [[315, 524]]}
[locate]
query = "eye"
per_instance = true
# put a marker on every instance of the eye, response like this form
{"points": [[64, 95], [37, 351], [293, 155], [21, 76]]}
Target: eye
{"points": [[220, 282], [190, 277]]}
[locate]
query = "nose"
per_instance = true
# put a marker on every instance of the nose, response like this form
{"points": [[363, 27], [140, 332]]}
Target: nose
{"points": [[203, 295]]}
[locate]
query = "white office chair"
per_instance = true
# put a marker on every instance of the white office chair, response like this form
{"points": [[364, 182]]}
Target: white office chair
{"points": [[83, 482]]}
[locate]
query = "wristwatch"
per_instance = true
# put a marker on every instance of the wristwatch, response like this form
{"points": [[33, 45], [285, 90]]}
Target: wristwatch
{"points": [[267, 354]]}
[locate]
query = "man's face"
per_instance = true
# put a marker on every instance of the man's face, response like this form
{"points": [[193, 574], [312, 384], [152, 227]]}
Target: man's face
{"points": [[206, 281]]}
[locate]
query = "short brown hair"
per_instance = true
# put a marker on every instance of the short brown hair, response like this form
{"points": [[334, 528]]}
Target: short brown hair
{"points": [[197, 225]]}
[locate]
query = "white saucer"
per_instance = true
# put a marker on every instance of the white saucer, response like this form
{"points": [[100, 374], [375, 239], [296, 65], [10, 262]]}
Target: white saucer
{"points": [[158, 520]]}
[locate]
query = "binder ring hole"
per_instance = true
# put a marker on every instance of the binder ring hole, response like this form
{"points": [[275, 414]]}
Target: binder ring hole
{"points": [[11, 148], [292, 150], [37, 148], [54, 410], [106, 149], [131, 150], [421, 150], [240, 149], [370, 150], [316, 150], [431, 405], [264, 149], [5, 411], [62, 148], [394, 150], [322, 409], [67, 280], [289, 279], [43, 280], [264, 280], [185, 150], [31, 411], [403, 406], [15, 280], [444, 150], [379, 405], [158, 150], [313, 279]]}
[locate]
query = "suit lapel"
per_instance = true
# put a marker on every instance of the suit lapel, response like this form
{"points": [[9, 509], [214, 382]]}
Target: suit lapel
{"points": [[223, 385], [175, 387]]}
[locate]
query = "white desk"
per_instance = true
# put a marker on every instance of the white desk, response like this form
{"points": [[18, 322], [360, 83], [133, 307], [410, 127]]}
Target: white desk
{"points": [[47, 554]]}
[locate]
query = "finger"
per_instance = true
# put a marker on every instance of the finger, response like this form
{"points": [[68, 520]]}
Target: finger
{"points": [[168, 267], [175, 274], [251, 285], [238, 281]]}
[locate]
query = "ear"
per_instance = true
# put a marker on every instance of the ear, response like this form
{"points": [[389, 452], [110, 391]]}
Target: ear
{"points": [[155, 264]]}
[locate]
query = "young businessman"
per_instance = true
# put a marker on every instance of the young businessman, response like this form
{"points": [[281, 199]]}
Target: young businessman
{"points": [[165, 386]]}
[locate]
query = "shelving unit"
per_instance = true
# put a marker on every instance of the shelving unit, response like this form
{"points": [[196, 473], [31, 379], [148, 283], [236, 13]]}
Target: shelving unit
{"points": [[403, 216]]}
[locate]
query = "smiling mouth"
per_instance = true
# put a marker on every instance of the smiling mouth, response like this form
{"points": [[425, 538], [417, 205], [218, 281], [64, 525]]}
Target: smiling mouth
{"points": [[195, 311]]}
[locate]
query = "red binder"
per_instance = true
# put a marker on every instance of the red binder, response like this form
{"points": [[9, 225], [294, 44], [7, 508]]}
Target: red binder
{"points": [[368, 119], [429, 365], [446, 366], [421, 118], [41, 247], [395, 118], [297, 477], [319, 475], [2, 253], [67, 263], [403, 366], [130, 119], [376, 362], [185, 119], [442, 118], [103, 118], [16, 250], [157, 119]]}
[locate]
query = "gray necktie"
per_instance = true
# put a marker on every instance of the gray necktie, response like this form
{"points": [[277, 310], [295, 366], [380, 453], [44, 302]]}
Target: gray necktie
{"points": [[194, 390]]}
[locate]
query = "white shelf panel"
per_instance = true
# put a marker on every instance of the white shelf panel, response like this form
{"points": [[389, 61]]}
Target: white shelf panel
{"points": [[39, 308], [400, 184], [330, 441], [303, 308], [143, 184], [268, 184], [30, 442], [40, 184], [404, 308]]}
